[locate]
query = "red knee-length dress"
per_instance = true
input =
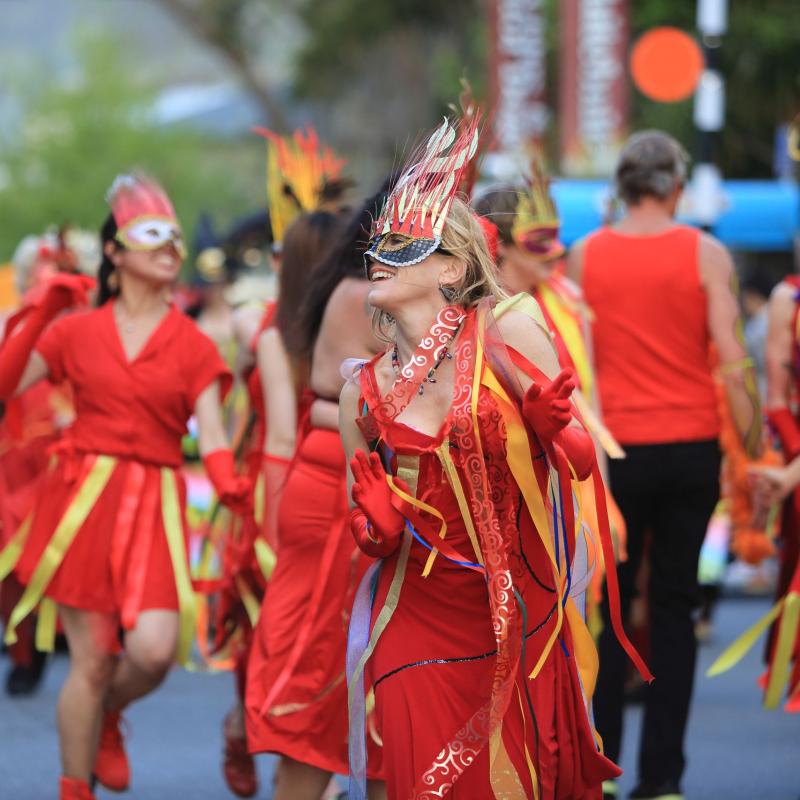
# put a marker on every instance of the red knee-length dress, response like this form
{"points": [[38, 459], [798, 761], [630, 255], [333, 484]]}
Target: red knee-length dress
{"points": [[296, 698], [446, 698], [108, 532]]}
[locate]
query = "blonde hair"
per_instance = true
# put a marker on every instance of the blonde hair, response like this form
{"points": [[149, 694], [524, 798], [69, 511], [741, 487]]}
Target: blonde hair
{"points": [[463, 239]]}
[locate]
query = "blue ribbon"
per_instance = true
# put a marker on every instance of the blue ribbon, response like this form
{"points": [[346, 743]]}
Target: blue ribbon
{"points": [[357, 641]]}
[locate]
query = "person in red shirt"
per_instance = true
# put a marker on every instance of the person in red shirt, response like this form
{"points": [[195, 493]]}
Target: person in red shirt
{"points": [[661, 294], [106, 543]]}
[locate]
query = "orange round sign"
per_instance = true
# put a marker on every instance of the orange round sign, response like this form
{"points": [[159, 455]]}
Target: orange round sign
{"points": [[666, 64]]}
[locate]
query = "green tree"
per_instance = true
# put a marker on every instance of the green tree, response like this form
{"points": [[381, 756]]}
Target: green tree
{"points": [[73, 140], [760, 59]]}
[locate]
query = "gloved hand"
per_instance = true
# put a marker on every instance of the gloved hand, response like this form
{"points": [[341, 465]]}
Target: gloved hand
{"points": [[65, 290], [547, 408], [377, 524], [233, 491], [784, 424]]}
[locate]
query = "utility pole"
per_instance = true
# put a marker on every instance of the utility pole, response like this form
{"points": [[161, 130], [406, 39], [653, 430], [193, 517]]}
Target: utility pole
{"points": [[709, 113]]}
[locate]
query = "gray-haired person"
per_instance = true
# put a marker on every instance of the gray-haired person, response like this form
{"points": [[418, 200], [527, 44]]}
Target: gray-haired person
{"points": [[661, 294]]}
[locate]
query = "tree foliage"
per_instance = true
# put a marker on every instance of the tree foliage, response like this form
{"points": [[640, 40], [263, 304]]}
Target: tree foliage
{"points": [[75, 138]]}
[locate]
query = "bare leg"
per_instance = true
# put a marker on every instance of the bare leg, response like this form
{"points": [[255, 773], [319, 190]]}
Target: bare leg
{"points": [[90, 637], [234, 721], [297, 781], [149, 653], [376, 790]]}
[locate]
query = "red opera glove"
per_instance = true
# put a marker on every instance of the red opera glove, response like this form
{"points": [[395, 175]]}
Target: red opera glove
{"points": [[578, 447], [365, 538], [783, 423], [232, 490], [547, 408], [61, 292], [65, 290], [377, 523]]}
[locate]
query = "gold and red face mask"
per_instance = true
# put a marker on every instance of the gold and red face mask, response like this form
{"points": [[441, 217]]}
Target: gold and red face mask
{"points": [[536, 223], [410, 225], [144, 215]]}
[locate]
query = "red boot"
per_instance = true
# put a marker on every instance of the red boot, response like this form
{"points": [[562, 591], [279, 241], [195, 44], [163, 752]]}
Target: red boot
{"points": [[75, 789], [111, 766], [238, 766]]}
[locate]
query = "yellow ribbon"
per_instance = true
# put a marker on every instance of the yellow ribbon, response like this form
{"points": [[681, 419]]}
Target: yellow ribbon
{"points": [[258, 499], [450, 471], [173, 528], [736, 651], [584, 649], [572, 335], [73, 518], [249, 600], [503, 776], [13, 550], [46, 625], [784, 648], [422, 507], [266, 558]]}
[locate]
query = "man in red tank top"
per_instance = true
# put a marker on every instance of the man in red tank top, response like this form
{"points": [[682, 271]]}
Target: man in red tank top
{"points": [[661, 294]]}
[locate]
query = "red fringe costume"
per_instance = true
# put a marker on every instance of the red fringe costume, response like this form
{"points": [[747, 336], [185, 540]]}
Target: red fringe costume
{"points": [[456, 633], [108, 531]]}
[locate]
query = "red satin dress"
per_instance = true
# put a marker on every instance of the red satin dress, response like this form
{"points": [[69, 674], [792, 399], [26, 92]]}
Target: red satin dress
{"points": [[432, 667], [296, 688], [103, 507]]}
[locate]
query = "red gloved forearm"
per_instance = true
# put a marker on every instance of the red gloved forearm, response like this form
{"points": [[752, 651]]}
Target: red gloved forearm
{"points": [[784, 424], [232, 490], [578, 447], [61, 292], [370, 541], [547, 408], [16, 351]]}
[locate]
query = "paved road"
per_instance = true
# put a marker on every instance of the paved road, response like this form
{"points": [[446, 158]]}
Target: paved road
{"points": [[737, 750]]}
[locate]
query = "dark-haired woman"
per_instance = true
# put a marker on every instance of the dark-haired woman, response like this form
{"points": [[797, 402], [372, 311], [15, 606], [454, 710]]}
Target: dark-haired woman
{"points": [[108, 545], [297, 694]]}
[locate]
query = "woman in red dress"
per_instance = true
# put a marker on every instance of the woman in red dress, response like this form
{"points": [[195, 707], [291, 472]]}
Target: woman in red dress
{"points": [[107, 547], [780, 485], [469, 632], [297, 695]]}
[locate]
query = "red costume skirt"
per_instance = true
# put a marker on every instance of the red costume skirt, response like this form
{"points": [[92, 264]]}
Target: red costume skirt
{"points": [[432, 667], [296, 689], [108, 535]]}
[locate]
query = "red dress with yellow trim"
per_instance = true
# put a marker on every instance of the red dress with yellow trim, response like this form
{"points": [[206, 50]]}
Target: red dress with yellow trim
{"points": [[30, 427], [782, 678], [296, 689], [455, 634], [108, 533]]}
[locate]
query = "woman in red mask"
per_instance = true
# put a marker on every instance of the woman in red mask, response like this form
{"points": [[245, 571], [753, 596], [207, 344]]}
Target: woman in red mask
{"points": [[106, 544], [469, 631]]}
